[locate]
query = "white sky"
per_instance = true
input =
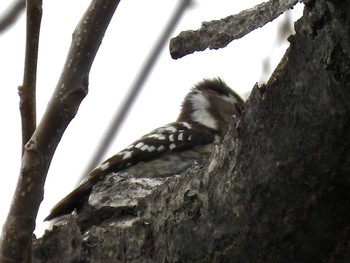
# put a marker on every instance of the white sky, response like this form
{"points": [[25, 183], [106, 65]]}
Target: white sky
{"points": [[135, 27]]}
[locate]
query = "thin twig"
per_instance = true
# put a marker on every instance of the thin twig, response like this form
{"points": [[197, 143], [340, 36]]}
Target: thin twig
{"points": [[10, 16], [27, 91], [70, 91], [219, 33], [123, 110]]}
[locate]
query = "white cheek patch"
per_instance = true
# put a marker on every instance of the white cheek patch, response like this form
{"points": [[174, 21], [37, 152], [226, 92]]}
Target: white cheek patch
{"points": [[200, 111]]}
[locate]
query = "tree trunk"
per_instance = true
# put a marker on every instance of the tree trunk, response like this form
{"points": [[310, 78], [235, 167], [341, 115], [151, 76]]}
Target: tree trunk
{"points": [[276, 190]]}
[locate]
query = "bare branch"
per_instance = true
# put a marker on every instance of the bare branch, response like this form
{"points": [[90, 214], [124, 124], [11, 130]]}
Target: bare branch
{"points": [[219, 33], [27, 91], [11, 15], [70, 91]]}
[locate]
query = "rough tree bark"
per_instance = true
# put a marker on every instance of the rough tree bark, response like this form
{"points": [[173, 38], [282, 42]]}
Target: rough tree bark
{"points": [[276, 190]]}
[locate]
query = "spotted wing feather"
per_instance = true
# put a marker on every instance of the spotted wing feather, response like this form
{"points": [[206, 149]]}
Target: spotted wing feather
{"points": [[178, 136]]}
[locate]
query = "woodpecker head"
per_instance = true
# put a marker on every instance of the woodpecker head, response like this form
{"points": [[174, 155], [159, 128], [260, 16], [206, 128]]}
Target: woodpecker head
{"points": [[211, 103]]}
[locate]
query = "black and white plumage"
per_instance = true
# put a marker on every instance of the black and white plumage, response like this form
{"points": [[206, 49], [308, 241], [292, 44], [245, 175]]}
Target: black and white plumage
{"points": [[171, 149]]}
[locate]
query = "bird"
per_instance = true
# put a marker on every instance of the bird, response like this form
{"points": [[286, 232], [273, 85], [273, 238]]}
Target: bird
{"points": [[169, 150]]}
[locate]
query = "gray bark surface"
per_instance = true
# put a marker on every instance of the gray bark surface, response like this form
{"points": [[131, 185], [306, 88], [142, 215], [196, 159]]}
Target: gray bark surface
{"points": [[276, 190]]}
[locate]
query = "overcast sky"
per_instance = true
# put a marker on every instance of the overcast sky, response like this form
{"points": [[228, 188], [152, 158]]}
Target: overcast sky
{"points": [[134, 29]]}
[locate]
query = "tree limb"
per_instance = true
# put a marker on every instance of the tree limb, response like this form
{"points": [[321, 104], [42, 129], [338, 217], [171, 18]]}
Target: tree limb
{"points": [[276, 190], [70, 91], [27, 91], [219, 33]]}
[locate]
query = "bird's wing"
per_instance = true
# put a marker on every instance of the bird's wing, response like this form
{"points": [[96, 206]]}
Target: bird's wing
{"points": [[177, 136]]}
